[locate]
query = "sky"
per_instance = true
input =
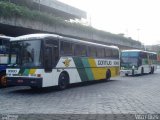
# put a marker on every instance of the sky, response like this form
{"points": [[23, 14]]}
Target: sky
{"points": [[138, 19]]}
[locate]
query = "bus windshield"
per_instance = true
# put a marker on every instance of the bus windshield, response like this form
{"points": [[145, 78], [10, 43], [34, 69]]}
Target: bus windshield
{"points": [[129, 59], [26, 53], [130, 54]]}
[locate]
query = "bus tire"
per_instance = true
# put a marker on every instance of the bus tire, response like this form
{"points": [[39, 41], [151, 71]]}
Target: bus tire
{"points": [[3, 82], [153, 70], [150, 71], [108, 75], [63, 81], [126, 74], [142, 71], [132, 72]]}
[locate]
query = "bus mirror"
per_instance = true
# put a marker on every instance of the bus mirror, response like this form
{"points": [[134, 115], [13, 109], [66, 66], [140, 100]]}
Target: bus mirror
{"points": [[48, 59]]}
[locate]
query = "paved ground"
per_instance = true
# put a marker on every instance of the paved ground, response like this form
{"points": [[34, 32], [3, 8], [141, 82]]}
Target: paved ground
{"points": [[135, 95]]}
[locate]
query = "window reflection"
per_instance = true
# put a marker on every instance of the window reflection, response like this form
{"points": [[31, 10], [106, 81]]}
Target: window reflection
{"points": [[27, 52]]}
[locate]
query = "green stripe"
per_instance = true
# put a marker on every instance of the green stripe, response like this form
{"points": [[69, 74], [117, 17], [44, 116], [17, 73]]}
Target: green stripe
{"points": [[26, 72], [80, 68], [21, 71], [88, 69]]}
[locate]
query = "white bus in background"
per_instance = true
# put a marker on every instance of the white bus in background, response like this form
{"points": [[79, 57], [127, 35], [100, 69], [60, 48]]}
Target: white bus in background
{"points": [[138, 62]]}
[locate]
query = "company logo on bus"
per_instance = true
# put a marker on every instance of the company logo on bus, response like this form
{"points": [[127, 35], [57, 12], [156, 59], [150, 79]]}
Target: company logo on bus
{"points": [[67, 62], [108, 62]]}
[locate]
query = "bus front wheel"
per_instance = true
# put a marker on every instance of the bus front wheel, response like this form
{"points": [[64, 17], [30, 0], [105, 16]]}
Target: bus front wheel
{"points": [[63, 81]]}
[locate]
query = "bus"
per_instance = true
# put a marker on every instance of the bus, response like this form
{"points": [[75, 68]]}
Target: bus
{"points": [[4, 57], [137, 62], [45, 60]]}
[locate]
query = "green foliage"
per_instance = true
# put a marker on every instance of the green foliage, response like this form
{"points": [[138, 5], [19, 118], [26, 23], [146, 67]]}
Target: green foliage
{"points": [[10, 10]]}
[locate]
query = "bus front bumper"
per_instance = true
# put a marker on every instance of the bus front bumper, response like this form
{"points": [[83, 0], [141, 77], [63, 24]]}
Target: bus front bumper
{"points": [[24, 81], [128, 72]]}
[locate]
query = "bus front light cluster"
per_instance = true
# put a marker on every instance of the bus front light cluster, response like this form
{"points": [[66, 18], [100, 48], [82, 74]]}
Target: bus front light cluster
{"points": [[133, 67], [38, 75], [122, 68]]}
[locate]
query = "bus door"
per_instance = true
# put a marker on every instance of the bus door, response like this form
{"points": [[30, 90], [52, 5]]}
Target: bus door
{"points": [[51, 54]]}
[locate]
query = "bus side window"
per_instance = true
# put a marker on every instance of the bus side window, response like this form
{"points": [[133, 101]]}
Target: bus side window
{"points": [[115, 53], [66, 48], [100, 52], [143, 55], [108, 52], [92, 51], [80, 50]]}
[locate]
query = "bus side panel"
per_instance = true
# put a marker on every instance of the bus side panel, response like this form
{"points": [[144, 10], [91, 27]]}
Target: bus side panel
{"points": [[68, 64], [98, 72], [88, 69], [50, 78], [114, 71], [73, 75]]}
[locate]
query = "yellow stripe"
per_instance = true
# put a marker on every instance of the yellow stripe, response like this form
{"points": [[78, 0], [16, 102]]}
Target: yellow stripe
{"points": [[32, 71], [98, 73], [92, 62], [114, 71]]}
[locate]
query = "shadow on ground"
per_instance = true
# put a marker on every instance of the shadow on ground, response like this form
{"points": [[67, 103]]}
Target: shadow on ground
{"points": [[28, 90]]}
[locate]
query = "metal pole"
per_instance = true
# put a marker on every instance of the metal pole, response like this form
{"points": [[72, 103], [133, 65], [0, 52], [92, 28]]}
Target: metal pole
{"points": [[138, 33]]}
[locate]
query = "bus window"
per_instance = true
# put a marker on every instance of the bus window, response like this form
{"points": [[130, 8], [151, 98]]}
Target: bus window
{"points": [[115, 53], [4, 45], [100, 52], [108, 52], [155, 57], [55, 50], [143, 55], [92, 51], [80, 50], [66, 48]]}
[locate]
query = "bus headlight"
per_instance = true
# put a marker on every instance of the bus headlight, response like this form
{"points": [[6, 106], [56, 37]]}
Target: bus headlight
{"points": [[122, 68], [133, 67]]}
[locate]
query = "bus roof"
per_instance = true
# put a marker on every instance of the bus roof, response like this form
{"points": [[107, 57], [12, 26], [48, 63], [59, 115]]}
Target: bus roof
{"points": [[136, 50], [5, 37], [43, 35]]}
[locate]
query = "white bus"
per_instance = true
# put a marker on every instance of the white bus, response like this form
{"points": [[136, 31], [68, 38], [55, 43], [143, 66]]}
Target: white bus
{"points": [[138, 62], [44, 60]]}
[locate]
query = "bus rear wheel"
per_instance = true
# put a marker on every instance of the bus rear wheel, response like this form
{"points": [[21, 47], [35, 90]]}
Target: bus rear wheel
{"points": [[63, 81], [3, 81], [142, 71], [108, 75], [133, 72], [152, 70]]}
